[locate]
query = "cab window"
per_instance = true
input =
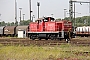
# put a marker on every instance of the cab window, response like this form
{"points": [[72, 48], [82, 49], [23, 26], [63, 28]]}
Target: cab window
{"points": [[45, 20], [52, 20], [40, 21]]}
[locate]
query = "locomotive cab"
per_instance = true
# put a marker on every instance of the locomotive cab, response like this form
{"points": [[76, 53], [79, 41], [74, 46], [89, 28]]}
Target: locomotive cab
{"points": [[41, 23]]}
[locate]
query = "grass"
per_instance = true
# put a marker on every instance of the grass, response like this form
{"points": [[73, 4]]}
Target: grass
{"points": [[44, 52]]}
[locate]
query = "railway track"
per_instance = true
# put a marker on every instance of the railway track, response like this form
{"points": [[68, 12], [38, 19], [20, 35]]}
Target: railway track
{"points": [[31, 42], [27, 42]]}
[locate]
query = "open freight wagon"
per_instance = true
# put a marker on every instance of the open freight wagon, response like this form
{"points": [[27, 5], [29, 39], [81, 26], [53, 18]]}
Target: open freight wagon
{"points": [[48, 28]]}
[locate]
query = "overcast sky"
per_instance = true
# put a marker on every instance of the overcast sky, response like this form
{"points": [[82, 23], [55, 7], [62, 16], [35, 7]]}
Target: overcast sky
{"points": [[47, 7]]}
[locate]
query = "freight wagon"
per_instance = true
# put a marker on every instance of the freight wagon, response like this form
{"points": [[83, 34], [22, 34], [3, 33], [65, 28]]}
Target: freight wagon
{"points": [[24, 28], [12, 30], [83, 31], [48, 28]]}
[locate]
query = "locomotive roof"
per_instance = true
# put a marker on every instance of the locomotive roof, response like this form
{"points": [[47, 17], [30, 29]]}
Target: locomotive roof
{"points": [[49, 17], [46, 18], [39, 18]]}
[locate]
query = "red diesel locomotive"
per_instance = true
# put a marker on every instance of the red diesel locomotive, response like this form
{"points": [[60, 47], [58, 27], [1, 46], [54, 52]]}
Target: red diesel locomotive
{"points": [[48, 28]]}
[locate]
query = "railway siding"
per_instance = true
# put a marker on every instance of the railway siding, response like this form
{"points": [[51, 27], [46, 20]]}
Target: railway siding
{"points": [[27, 42]]}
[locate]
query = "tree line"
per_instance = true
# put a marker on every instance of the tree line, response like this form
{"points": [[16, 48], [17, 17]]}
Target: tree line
{"points": [[79, 21], [25, 22]]}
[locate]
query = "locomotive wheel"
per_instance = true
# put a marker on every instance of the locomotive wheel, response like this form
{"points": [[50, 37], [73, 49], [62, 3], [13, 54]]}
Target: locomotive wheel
{"points": [[32, 37], [59, 39], [52, 37], [46, 38], [86, 36], [39, 38]]}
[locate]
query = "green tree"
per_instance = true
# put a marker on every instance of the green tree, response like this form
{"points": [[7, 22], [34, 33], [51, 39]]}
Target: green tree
{"points": [[12, 24], [58, 19], [2, 23]]}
